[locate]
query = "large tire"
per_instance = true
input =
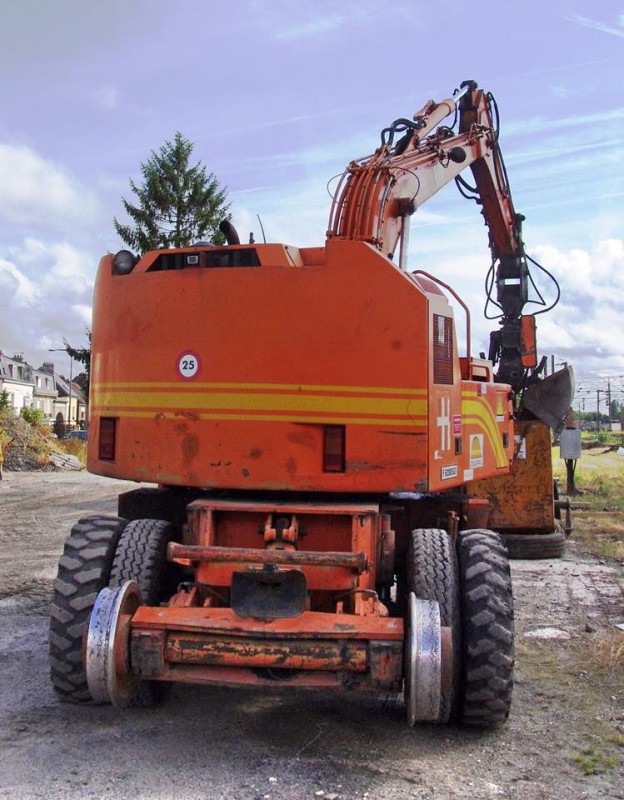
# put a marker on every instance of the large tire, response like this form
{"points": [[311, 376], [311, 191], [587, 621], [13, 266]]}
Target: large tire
{"points": [[432, 574], [83, 570], [141, 556], [488, 637], [535, 545]]}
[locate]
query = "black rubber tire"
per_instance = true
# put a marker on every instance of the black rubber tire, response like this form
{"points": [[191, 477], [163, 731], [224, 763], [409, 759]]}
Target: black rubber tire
{"points": [[488, 631], [535, 545], [433, 574], [141, 556], [83, 570]]}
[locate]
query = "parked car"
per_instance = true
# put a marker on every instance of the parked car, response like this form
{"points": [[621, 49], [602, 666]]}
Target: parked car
{"points": [[82, 435]]}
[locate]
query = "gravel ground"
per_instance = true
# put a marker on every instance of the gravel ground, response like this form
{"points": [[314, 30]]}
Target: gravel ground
{"points": [[205, 743]]}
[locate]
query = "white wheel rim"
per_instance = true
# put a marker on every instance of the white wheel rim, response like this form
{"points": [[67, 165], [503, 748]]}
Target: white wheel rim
{"points": [[423, 661], [106, 685]]}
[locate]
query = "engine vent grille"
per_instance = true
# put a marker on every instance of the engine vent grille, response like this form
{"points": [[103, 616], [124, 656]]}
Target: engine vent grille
{"points": [[442, 349]]}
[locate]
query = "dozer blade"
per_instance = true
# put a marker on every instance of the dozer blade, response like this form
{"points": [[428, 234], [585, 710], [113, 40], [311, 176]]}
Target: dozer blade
{"points": [[550, 399]]}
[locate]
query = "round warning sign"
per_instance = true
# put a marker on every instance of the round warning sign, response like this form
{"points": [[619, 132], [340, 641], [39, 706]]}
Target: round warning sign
{"points": [[188, 364]]}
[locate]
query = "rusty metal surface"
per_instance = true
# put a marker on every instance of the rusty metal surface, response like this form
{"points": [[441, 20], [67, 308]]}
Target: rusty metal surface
{"points": [[147, 652], [342, 542], [306, 654], [386, 664], [311, 624], [242, 555], [228, 660], [524, 499], [351, 509]]}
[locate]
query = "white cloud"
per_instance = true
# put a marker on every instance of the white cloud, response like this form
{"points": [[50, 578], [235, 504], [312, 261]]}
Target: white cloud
{"points": [[587, 325], [69, 268], [45, 295], [54, 266], [84, 312], [16, 286], [597, 25], [36, 189], [595, 276]]}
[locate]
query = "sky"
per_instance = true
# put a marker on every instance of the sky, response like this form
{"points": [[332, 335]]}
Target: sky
{"points": [[278, 96]]}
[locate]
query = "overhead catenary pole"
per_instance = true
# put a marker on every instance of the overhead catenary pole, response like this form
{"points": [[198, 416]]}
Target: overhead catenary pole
{"points": [[71, 377]]}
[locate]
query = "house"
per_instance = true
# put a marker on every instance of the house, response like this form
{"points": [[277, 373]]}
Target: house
{"points": [[62, 402], [44, 392], [16, 378], [70, 405]]}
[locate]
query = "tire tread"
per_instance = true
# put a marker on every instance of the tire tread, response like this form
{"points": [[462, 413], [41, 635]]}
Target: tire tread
{"points": [[488, 639], [432, 574], [83, 570]]}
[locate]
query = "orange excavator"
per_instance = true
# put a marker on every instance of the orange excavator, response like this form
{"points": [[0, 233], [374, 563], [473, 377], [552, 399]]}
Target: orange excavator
{"points": [[312, 435]]}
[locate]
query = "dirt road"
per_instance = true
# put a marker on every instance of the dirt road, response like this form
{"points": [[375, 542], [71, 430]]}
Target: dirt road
{"points": [[567, 718]]}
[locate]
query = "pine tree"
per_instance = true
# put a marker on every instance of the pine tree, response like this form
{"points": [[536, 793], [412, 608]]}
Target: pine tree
{"points": [[177, 204]]}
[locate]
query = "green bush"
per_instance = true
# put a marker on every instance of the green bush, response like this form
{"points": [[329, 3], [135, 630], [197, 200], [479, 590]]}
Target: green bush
{"points": [[34, 416]]}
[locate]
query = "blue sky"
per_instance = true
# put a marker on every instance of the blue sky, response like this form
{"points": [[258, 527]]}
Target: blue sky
{"points": [[278, 96]]}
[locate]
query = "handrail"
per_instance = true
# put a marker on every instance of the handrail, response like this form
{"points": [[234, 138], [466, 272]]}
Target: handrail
{"points": [[459, 300]]}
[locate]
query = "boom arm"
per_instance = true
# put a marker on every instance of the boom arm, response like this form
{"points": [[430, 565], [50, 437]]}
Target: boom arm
{"points": [[377, 195]]}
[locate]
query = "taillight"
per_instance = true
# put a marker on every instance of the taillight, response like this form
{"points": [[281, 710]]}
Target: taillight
{"points": [[334, 448], [106, 443]]}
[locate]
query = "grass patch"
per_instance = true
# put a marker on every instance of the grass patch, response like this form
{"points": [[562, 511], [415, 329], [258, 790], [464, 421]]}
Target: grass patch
{"points": [[586, 673], [75, 447], [608, 652], [594, 763], [598, 508]]}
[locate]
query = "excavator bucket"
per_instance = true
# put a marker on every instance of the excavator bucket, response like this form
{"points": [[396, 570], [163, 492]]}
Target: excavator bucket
{"points": [[550, 399]]}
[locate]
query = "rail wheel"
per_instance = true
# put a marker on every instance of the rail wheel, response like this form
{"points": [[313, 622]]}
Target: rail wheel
{"points": [[423, 661], [107, 658], [432, 574], [83, 570], [488, 638], [141, 557]]}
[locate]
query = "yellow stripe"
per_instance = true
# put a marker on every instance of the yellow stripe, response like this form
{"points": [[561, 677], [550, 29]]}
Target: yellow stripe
{"points": [[478, 412], [278, 402], [260, 402]]}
